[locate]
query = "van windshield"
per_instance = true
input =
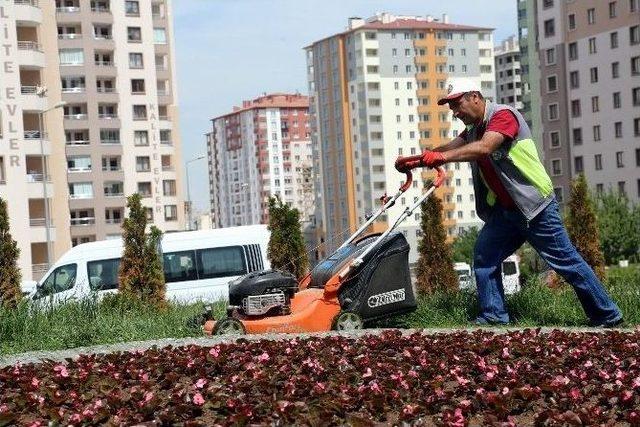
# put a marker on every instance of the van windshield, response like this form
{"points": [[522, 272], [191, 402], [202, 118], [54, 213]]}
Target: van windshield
{"points": [[61, 279]]}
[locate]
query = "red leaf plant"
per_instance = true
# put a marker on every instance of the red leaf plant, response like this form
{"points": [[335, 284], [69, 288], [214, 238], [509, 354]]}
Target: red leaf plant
{"points": [[450, 379]]}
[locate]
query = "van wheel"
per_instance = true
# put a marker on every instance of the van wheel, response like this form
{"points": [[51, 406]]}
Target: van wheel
{"points": [[229, 326], [347, 321]]}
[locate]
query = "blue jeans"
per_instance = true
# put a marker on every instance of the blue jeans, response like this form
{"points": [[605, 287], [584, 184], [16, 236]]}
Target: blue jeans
{"points": [[506, 231]]}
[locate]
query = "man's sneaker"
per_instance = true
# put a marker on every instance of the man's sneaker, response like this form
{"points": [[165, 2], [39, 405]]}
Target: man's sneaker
{"points": [[610, 324], [481, 321]]}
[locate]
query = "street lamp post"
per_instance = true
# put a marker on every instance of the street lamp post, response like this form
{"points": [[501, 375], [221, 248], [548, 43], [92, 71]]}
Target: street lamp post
{"points": [[47, 218], [189, 190]]}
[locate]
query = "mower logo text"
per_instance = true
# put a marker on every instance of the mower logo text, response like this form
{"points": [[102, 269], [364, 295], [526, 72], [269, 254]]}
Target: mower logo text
{"points": [[386, 298]]}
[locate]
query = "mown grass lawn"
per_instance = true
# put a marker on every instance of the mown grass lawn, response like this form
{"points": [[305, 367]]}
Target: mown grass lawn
{"points": [[89, 322]]}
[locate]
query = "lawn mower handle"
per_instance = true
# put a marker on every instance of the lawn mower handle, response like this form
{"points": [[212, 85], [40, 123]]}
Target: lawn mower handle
{"points": [[436, 183]]}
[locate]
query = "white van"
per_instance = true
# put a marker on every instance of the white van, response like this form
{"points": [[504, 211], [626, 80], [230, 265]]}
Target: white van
{"points": [[511, 275], [198, 265], [465, 277]]}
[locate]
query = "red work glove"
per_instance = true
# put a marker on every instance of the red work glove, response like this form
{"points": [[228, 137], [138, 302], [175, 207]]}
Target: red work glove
{"points": [[432, 159]]}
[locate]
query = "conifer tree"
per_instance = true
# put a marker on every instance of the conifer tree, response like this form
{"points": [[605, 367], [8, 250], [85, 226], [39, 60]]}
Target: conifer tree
{"points": [[141, 274], [286, 249], [10, 276], [435, 270], [582, 226]]}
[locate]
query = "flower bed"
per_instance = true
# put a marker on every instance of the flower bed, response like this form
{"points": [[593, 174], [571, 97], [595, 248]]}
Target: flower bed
{"points": [[459, 378]]}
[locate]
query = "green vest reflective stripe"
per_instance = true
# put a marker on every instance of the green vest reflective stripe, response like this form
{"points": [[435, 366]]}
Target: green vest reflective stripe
{"points": [[518, 167]]}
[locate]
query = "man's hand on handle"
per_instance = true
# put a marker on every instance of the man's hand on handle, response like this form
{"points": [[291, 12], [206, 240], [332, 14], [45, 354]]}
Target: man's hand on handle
{"points": [[430, 159]]}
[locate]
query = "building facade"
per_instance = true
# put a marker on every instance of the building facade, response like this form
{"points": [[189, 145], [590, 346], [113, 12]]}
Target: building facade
{"points": [[259, 150], [589, 54], [508, 73], [373, 96], [98, 123]]}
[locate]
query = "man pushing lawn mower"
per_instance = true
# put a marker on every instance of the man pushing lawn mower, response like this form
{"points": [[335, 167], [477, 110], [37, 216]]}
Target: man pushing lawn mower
{"points": [[514, 197]]}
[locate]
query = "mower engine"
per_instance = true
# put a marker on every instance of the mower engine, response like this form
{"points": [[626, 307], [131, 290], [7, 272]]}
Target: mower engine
{"points": [[262, 292]]}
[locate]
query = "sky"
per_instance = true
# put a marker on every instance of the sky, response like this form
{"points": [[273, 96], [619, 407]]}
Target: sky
{"points": [[228, 51]]}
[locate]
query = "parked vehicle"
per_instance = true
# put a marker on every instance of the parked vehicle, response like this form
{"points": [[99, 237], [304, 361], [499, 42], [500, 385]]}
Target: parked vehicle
{"points": [[465, 276], [198, 265], [510, 275]]}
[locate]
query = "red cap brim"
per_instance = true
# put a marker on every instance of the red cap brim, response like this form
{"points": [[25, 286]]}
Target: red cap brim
{"points": [[450, 97]]}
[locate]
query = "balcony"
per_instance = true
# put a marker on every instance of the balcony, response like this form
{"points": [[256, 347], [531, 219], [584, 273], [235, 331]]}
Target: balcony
{"points": [[35, 135], [70, 36], [108, 116], [87, 220], [37, 177], [33, 99], [75, 89], [78, 116], [30, 54], [113, 221], [80, 196], [28, 11], [75, 142], [113, 193], [68, 9]]}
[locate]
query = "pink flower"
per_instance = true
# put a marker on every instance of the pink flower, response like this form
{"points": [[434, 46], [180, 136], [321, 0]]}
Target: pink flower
{"points": [[263, 357], [214, 352], [367, 374], [35, 382], [574, 393], [61, 371], [505, 353], [588, 364], [636, 383], [148, 396], [201, 383], [4, 408], [198, 399]]}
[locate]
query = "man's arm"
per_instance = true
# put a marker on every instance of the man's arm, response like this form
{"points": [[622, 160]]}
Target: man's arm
{"points": [[473, 150], [454, 143]]}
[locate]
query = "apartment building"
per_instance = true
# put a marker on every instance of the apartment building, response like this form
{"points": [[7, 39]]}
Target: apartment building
{"points": [[589, 54], [373, 96], [530, 69], [508, 77], [98, 123], [120, 118], [30, 135], [259, 150]]}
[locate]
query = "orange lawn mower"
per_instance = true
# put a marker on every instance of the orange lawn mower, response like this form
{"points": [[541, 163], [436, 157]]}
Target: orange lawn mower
{"points": [[365, 279]]}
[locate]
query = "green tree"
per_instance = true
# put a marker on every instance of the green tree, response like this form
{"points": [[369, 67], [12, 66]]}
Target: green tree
{"points": [[10, 277], [582, 226], [434, 270], [618, 224], [286, 249], [463, 245], [141, 274]]}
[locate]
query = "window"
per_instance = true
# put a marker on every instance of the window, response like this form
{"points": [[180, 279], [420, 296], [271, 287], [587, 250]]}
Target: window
{"points": [[179, 266], [463, 52], [635, 96], [171, 213], [577, 164], [394, 52], [594, 74], [636, 126], [61, 279], [135, 60], [613, 38], [556, 167], [139, 112], [634, 34], [633, 5], [592, 45], [621, 188], [637, 156], [554, 138], [619, 159], [169, 187], [635, 66], [144, 189], [71, 56], [612, 9], [552, 84], [598, 161], [577, 136], [143, 164], [591, 16], [141, 138], [616, 100], [134, 35], [596, 133], [549, 28], [574, 79], [595, 104], [137, 86], [573, 51], [132, 8], [558, 193], [617, 126], [103, 274], [159, 36], [221, 262], [553, 111], [615, 70], [546, 4], [572, 21], [551, 56], [575, 108]]}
